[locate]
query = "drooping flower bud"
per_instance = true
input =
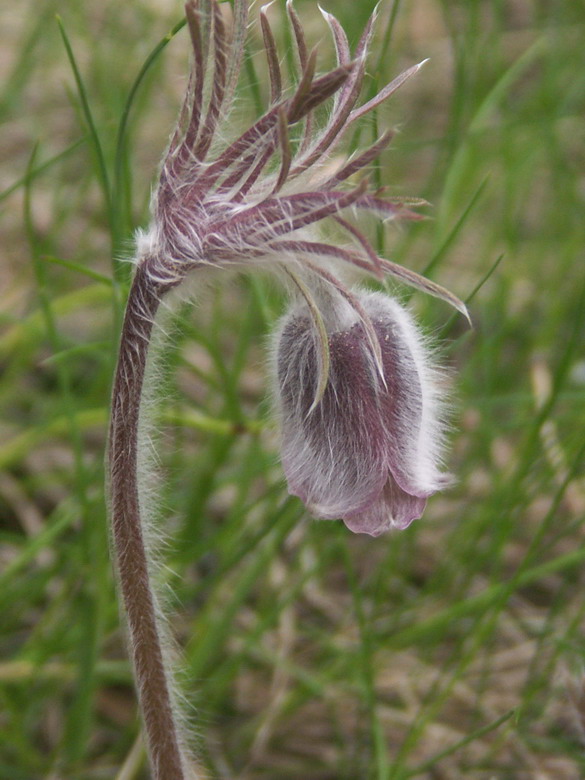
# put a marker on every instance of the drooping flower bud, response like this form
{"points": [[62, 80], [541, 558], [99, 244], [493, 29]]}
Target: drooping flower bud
{"points": [[368, 452]]}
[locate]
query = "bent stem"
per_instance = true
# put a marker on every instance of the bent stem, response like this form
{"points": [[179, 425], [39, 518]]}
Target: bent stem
{"points": [[134, 565]]}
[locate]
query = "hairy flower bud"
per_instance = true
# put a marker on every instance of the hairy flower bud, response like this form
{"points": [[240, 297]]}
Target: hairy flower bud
{"points": [[368, 452]]}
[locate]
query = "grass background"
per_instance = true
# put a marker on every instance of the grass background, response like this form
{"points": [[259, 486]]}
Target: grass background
{"points": [[453, 649]]}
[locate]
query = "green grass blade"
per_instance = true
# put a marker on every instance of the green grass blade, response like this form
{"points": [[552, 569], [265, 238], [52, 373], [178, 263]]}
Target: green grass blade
{"points": [[43, 540], [98, 348], [447, 242], [121, 211], [444, 332], [366, 659], [431, 628], [81, 269], [31, 328], [475, 735], [88, 115], [45, 166], [81, 713], [14, 450]]}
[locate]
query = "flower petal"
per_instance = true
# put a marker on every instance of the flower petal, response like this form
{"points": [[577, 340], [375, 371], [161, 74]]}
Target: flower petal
{"points": [[393, 508], [334, 457], [411, 407]]}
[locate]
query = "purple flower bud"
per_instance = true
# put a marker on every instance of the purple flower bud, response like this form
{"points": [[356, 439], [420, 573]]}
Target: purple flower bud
{"points": [[368, 452]]}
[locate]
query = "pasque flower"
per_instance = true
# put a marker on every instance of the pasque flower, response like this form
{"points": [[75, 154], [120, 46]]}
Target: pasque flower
{"points": [[256, 201], [368, 450], [356, 391]]}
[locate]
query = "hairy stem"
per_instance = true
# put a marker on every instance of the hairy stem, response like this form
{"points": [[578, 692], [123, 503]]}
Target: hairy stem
{"points": [[131, 550]]}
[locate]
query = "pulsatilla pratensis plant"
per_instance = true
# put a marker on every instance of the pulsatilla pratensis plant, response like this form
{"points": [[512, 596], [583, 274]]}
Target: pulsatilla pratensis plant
{"points": [[354, 385]]}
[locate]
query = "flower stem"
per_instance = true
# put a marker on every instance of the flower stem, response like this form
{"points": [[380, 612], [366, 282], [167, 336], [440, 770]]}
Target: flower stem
{"points": [[134, 566]]}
